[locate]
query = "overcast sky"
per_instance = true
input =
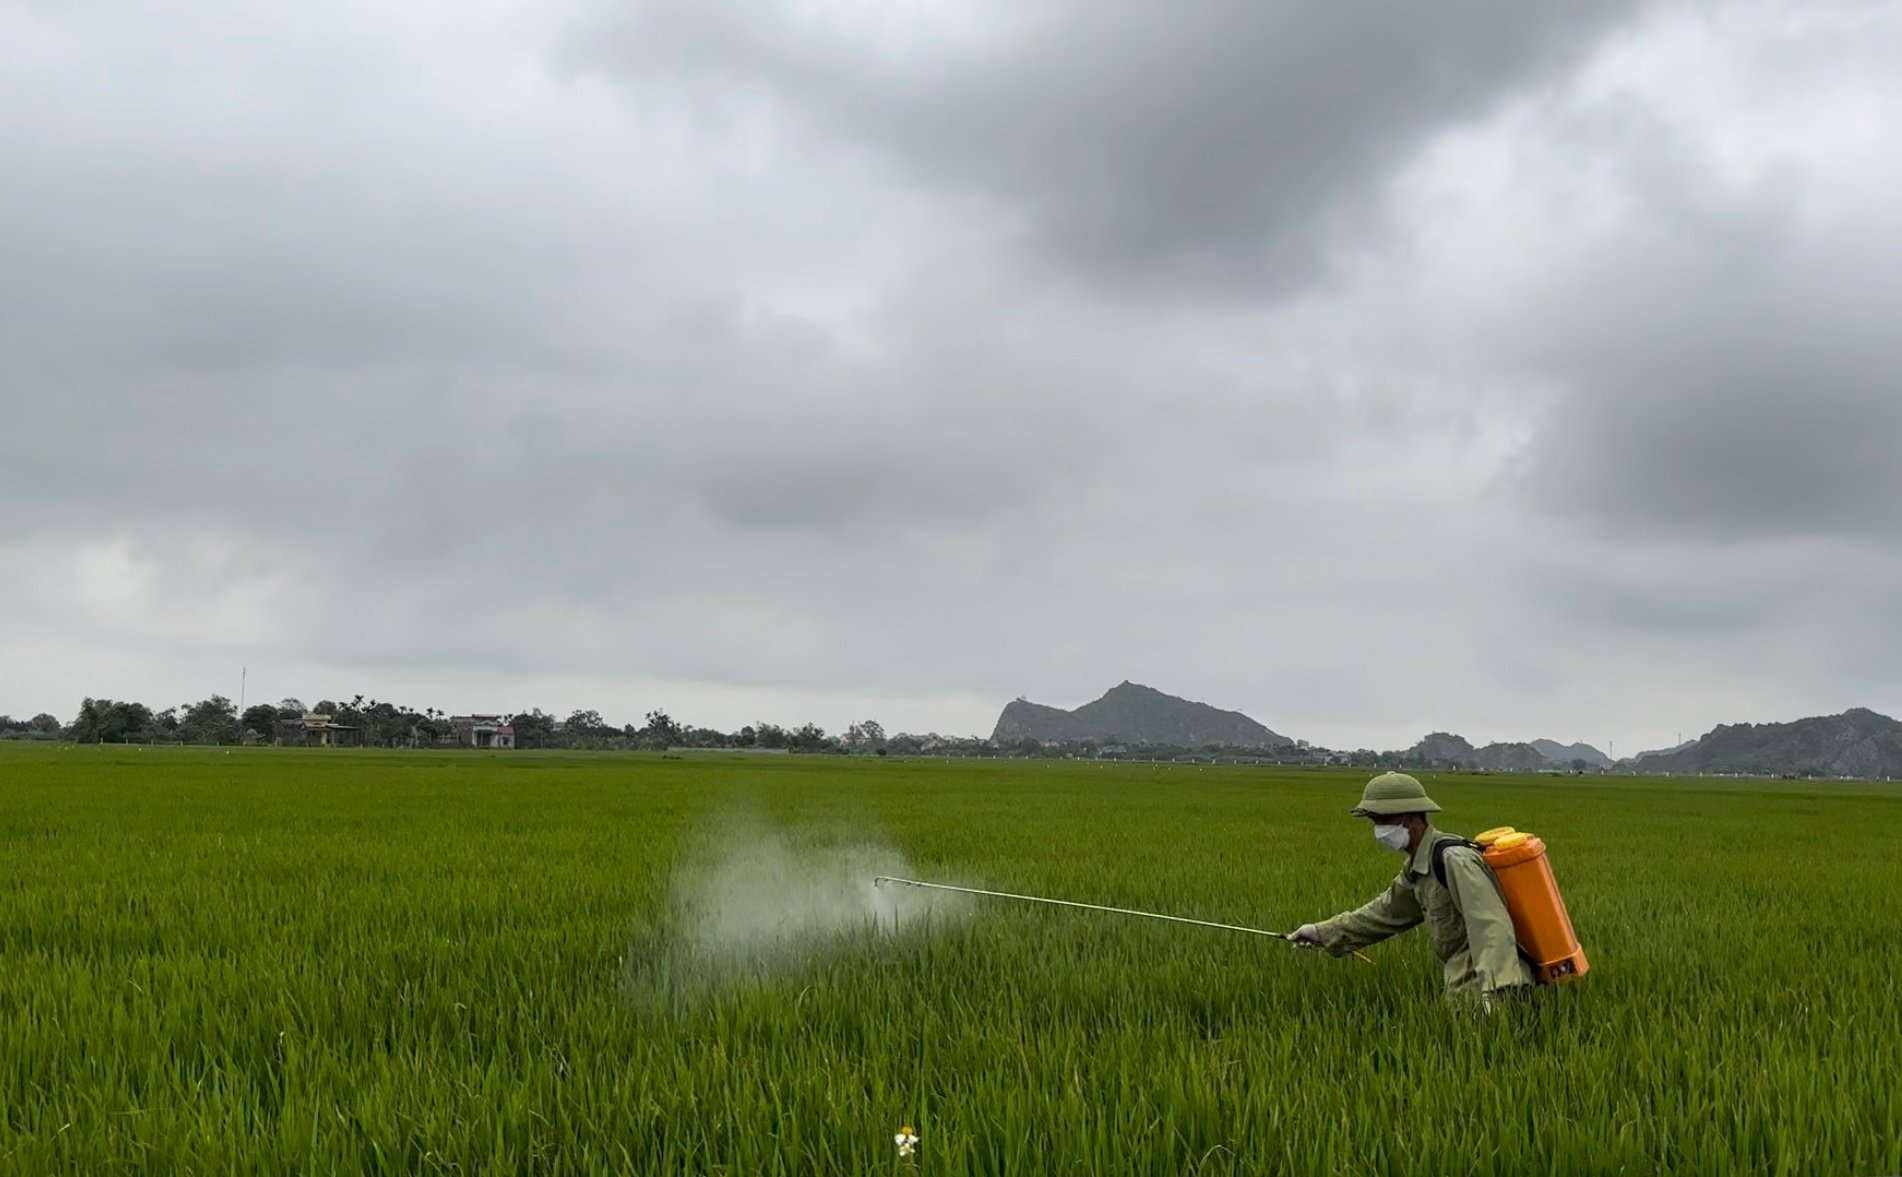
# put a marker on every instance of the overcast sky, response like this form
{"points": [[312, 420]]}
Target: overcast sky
{"points": [[1511, 367]]}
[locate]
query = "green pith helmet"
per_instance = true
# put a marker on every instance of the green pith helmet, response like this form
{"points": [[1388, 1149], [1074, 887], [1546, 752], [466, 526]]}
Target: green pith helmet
{"points": [[1391, 794]]}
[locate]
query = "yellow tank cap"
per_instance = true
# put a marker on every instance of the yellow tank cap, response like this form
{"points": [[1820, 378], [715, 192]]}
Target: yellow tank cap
{"points": [[1508, 841], [1493, 835]]}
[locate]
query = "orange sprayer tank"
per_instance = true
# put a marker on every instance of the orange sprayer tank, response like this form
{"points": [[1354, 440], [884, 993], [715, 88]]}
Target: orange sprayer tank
{"points": [[1539, 918]]}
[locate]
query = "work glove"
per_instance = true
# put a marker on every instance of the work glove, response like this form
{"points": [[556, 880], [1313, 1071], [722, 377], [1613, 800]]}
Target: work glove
{"points": [[1305, 936]]}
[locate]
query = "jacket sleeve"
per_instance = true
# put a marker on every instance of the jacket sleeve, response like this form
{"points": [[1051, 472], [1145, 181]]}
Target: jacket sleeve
{"points": [[1493, 944], [1389, 913]]}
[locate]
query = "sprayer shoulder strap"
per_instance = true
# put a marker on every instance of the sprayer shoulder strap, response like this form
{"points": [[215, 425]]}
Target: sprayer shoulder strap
{"points": [[1438, 855]]}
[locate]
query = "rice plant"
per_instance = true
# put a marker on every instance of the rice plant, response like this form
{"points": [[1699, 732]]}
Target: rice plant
{"points": [[278, 962]]}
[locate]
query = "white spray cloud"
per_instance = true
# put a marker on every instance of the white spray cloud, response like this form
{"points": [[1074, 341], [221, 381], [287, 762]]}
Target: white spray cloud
{"points": [[754, 900]]}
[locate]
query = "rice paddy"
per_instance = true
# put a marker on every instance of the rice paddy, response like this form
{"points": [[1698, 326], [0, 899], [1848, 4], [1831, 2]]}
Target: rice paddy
{"points": [[269, 962]]}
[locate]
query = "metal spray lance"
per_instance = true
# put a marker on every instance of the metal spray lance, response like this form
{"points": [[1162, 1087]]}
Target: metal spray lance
{"points": [[881, 880]]}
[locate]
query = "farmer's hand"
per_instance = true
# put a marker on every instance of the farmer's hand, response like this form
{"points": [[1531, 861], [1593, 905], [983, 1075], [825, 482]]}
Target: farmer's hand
{"points": [[1305, 936]]}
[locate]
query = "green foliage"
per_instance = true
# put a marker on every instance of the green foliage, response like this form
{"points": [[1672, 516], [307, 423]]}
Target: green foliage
{"points": [[807, 737], [534, 730], [40, 727], [386, 725], [371, 723], [265, 961], [865, 736], [261, 718], [660, 731], [213, 721], [106, 721]]}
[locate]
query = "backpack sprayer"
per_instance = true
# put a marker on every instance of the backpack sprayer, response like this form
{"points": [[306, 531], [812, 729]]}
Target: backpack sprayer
{"points": [[881, 880], [1539, 919]]}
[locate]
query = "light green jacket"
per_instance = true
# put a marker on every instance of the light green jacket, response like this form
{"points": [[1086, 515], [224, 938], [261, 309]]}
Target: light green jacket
{"points": [[1466, 920]]}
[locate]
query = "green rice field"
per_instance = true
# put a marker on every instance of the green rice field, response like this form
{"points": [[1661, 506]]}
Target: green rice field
{"points": [[264, 961]]}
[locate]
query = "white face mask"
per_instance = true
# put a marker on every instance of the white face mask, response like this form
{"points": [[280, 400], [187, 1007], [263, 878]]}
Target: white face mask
{"points": [[1394, 837]]}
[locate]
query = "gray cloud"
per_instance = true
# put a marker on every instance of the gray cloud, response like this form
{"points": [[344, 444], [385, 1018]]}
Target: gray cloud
{"points": [[1206, 146], [769, 368], [1729, 368]]}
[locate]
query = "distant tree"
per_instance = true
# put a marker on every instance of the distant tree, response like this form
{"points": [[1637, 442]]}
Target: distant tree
{"points": [[134, 721], [868, 736], [661, 730], [585, 721], [103, 721], [1578, 764], [260, 718], [586, 729], [40, 727], [431, 725], [84, 728], [808, 737], [351, 715], [325, 707], [291, 708], [771, 735], [533, 729], [706, 737], [385, 724], [210, 721]]}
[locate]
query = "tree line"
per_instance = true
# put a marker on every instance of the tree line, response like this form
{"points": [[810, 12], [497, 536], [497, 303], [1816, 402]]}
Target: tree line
{"points": [[382, 724], [388, 725]]}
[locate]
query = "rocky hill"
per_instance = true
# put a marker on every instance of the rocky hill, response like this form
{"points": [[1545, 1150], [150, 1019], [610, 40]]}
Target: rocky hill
{"points": [[1655, 752], [1563, 754], [1857, 743], [1130, 713], [1446, 750], [1511, 758], [1442, 749]]}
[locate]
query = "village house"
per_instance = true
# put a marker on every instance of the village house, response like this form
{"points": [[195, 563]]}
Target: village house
{"points": [[312, 730], [480, 731]]}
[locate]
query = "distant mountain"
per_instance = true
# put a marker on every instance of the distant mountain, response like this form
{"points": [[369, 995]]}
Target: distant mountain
{"points": [[1026, 720], [1657, 752], [1511, 758], [1130, 713], [1857, 743], [1446, 750], [1443, 749], [1564, 754]]}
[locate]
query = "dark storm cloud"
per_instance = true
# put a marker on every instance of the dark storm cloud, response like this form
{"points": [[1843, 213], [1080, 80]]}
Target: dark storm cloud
{"points": [[1726, 360], [1153, 146], [782, 353]]}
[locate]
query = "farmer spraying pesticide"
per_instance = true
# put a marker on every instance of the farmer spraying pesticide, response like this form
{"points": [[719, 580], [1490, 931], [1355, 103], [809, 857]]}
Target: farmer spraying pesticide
{"points": [[1496, 919], [1492, 913]]}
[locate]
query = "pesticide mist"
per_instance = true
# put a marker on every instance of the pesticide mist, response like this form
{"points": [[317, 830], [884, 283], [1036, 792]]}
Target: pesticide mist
{"points": [[753, 901]]}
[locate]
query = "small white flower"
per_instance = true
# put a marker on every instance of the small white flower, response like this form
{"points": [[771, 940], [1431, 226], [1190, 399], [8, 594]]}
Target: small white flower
{"points": [[907, 1141]]}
